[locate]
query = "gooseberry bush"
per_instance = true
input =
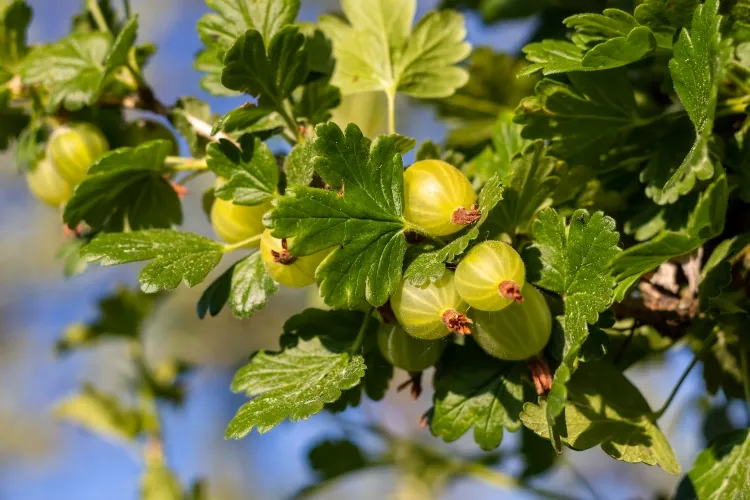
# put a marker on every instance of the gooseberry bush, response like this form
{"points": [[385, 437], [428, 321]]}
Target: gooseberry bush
{"points": [[574, 223]]}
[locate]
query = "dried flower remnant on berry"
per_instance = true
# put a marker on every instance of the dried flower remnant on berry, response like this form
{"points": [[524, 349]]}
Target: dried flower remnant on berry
{"points": [[457, 322]]}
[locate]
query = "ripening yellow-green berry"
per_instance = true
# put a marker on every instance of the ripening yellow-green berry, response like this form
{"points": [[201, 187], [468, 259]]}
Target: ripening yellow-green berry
{"points": [[439, 199], [406, 351], [286, 268], [490, 277], [74, 148], [47, 185], [431, 311], [236, 223], [520, 331]]}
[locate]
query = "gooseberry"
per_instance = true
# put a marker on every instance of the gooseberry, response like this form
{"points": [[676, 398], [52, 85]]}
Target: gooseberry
{"points": [[74, 148], [520, 331], [490, 277], [407, 352], [431, 311], [439, 199], [286, 268], [47, 185], [236, 223]]}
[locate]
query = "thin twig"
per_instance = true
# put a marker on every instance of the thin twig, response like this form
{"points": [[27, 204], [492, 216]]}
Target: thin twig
{"points": [[706, 346]]}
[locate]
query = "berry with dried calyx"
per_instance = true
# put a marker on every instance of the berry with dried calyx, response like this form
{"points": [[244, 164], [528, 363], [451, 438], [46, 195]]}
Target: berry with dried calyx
{"points": [[439, 199], [491, 276], [285, 268], [431, 311]]}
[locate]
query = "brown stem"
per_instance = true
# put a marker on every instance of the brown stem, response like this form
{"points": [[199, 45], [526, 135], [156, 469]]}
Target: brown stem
{"points": [[415, 383], [457, 322], [540, 374]]}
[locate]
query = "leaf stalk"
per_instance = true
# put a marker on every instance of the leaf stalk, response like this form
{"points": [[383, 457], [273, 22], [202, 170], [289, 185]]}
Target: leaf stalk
{"points": [[96, 13]]}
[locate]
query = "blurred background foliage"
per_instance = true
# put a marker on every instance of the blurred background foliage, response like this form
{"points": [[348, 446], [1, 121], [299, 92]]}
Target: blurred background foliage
{"points": [[43, 316]]}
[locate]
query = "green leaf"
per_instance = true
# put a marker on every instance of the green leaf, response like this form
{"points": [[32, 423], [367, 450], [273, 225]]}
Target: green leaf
{"points": [[218, 30], [507, 141], [582, 120], [364, 223], [298, 164], [318, 99], [706, 222], [176, 256], [572, 261], [160, 483], [331, 459], [69, 254], [378, 51], [605, 408], [127, 185], [666, 15], [341, 328], [272, 76], [491, 90], [185, 109], [293, 384], [100, 414], [72, 69], [602, 41], [120, 50], [489, 396], [716, 275], [251, 173], [121, 315], [552, 57], [244, 117], [697, 69], [721, 470], [529, 183], [430, 266], [215, 296], [251, 287], [14, 21]]}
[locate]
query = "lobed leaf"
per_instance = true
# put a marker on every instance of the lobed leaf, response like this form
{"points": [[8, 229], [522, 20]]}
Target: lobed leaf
{"points": [[127, 185], [573, 262], [364, 221], [293, 384], [581, 120], [721, 470], [697, 69], [605, 408], [176, 256], [251, 172], [378, 51], [219, 29], [487, 397]]}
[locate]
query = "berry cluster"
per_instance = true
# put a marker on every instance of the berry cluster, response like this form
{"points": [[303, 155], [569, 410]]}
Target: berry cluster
{"points": [[70, 151]]}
